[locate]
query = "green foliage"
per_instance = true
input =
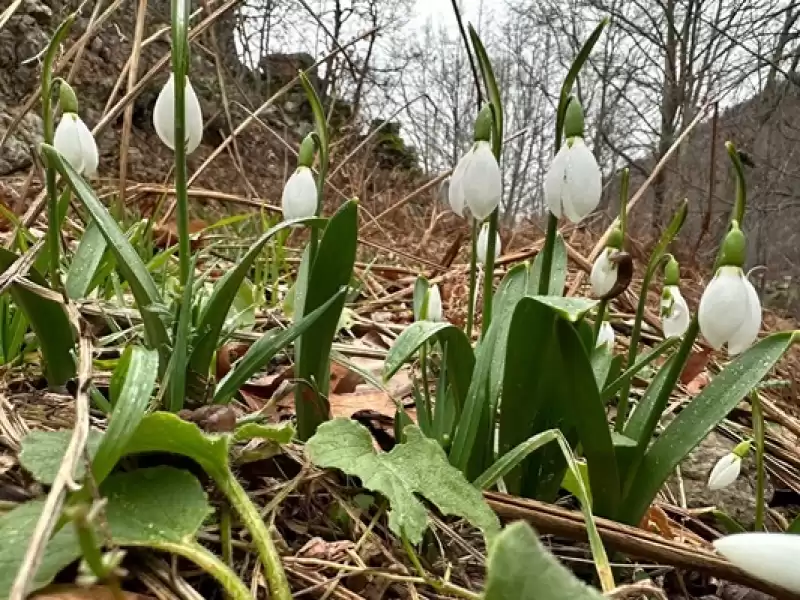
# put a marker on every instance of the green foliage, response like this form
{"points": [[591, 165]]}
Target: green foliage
{"points": [[418, 466], [43, 451]]}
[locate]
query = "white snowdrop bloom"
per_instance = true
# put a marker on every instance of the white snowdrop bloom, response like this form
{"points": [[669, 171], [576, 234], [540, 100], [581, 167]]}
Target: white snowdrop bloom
{"points": [[725, 472], [164, 116], [771, 557], [300, 195], [604, 273], [75, 142], [476, 182], [573, 184], [675, 315], [605, 335], [730, 311], [482, 246], [434, 304]]}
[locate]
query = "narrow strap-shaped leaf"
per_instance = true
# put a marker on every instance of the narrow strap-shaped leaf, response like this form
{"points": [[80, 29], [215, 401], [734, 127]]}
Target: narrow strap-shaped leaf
{"points": [[85, 263], [558, 270], [612, 388], [176, 373]]}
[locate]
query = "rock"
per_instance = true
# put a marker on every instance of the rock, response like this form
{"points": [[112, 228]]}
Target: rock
{"points": [[738, 499], [28, 134]]}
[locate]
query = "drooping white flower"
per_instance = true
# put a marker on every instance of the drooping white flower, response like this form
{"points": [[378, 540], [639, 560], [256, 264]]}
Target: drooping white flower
{"points": [[476, 182], [725, 472], [482, 246], [164, 116], [573, 184], [605, 335], [730, 311], [771, 557], [434, 304], [75, 142], [604, 273], [675, 315], [299, 195]]}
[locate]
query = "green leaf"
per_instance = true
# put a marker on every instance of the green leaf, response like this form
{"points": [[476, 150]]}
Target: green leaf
{"points": [[267, 346], [85, 262], [128, 261], [610, 390], [644, 419], [794, 527], [277, 432], [215, 311], [43, 451], [175, 380], [421, 287], [16, 530], [519, 567], [699, 418], [139, 368], [570, 309], [154, 505], [331, 271], [558, 270], [49, 322], [419, 466]]}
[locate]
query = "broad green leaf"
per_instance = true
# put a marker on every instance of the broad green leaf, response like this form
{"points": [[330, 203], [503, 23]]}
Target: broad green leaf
{"points": [[699, 418], [153, 505], [268, 345], [128, 261], [216, 310], [16, 530], [558, 270], [570, 309], [519, 567], [85, 262], [43, 451], [418, 466], [331, 271], [140, 367], [277, 432], [460, 359], [49, 322]]}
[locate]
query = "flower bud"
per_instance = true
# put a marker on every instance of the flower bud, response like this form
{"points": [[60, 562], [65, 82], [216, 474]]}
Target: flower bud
{"points": [[299, 198], [482, 246], [433, 303], [725, 472], [605, 336], [75, 142], [573, 183], [771, 557], [730, 311], [164, 116], [476, 182]]}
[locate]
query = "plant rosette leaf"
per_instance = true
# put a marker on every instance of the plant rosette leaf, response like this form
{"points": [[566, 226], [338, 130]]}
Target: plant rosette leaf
{"points": [[43, 451], [281, 433], [418, 466]]}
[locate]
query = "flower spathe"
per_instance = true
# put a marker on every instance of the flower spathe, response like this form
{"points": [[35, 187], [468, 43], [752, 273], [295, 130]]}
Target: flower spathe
{"points": [[771, 557], [605, 336], [604, 273], [476, 182], [299, 198], [675, 317], [434, 310], [730, 311], [164, 116], [725, 471], [75, 142], [573, 183], [482, 245]]}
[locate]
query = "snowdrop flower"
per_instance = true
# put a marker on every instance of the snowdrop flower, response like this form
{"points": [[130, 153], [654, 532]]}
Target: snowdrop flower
{"points": [[730, 310], [164, 116], [771, 557], [675, 315], [300, 195], [727, 469], [483, 244], [573, 183], [455, 192], [76, 144], [476, 182], [434, 309], [605, 335]]}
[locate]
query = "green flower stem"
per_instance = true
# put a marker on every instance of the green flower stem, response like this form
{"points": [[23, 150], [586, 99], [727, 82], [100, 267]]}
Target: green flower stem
{"points": [[234, 588], [488, 274], [473, 278], [276, 577], [758, 434], [180, 64], [547, 254], [601, 314]]}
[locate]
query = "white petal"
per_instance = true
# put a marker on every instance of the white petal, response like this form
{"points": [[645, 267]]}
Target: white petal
{"points": [[91, 157], [456, 192], [67, 141], [555, 181], [164, 115], [299, 195], [482, 245], [724, 472], [434, 304], [772, 557], [482, 183], [604, 274], [584, 184], [605, 335], [675, 316], [748, 330], [723, 306]]}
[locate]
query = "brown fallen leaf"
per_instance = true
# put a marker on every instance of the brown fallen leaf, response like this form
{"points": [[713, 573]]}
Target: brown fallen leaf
{"points": [[697, 363], [95, 592], [343, 380], [166, 234], [320, 549], [657, 521], [211, 418]]}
